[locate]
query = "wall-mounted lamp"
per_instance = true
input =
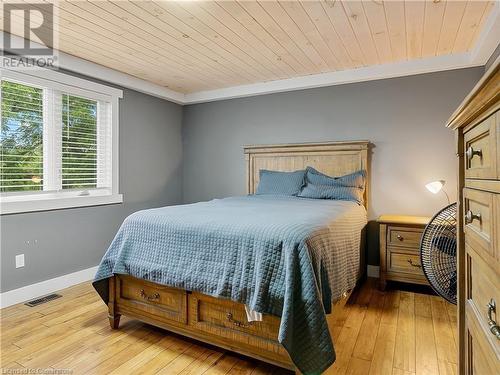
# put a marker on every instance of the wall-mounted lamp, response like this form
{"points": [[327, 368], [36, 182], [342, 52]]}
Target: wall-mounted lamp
{"points": [[437, 186]]}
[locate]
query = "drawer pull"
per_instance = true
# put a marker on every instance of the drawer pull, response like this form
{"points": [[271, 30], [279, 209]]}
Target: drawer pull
{"points": [[400, 237], [151, 298], [494, 328], [471, 152], [237, 323], [470, 217], [414, 264]]}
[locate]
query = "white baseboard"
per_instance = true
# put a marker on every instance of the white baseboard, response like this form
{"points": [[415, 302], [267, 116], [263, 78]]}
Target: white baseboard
{"points": [[373, 271], [45, 287]]}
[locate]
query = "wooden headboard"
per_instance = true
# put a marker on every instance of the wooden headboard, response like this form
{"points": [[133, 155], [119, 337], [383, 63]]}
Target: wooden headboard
{"points": [[331, 158]]}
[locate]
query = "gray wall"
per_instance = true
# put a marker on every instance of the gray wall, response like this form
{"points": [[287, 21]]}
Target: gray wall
{"points": [[74, 239], [403, 117]]}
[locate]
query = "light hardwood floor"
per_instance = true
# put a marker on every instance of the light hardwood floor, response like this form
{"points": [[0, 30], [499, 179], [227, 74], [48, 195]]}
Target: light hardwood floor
{"points": [[392, 332]]}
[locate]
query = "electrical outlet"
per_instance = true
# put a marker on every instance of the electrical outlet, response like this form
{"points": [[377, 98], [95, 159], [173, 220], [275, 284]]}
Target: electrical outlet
{"points": [[19, 260]]}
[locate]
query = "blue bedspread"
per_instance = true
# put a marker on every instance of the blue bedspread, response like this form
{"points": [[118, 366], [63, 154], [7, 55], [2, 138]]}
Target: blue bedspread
{"points": [[254, 250]]}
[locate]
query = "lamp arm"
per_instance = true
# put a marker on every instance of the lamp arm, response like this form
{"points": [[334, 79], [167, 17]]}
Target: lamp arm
{"points": [[447, 197]]}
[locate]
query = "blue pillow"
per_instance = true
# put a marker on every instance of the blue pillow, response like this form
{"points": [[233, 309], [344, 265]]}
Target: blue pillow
{"points": [[343, 193], [356, 179], [280, 183], [350, 187]]}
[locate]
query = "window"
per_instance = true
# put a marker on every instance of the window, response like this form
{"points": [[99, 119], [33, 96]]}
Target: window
{"points": [[58, 142]]}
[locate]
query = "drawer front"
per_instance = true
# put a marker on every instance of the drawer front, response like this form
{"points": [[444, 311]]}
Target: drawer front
{"points": [[165, 302], [482, 290], [227, 320], [479, 222], [480, 145], [407, 262], [481, 358], [404, 237]]}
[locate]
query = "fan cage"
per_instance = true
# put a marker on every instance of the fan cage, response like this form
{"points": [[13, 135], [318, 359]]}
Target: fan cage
{"points": [[438, 253]]}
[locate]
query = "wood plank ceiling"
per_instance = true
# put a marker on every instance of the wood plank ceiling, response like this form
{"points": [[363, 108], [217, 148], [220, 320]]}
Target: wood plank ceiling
{"points": [[191, 46]]}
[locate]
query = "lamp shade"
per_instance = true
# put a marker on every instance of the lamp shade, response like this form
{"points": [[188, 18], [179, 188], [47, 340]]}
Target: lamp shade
{"points": [[435, 186]]}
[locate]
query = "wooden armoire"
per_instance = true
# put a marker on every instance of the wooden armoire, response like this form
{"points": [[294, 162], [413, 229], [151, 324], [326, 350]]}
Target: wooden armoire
{"points": [[477, 126]]}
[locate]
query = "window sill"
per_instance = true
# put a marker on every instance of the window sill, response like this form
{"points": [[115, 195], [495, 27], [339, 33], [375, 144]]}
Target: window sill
{"points": [[31, 204]]}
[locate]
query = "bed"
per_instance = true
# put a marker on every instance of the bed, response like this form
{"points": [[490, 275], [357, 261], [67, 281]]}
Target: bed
{"points": [[197, 269]]}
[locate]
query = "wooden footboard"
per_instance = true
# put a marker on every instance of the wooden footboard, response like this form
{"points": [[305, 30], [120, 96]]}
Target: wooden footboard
{"points": [[212, 320]]}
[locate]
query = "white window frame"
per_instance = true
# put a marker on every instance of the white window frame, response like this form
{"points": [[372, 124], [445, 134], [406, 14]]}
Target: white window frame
{"points": [[18, 202]]}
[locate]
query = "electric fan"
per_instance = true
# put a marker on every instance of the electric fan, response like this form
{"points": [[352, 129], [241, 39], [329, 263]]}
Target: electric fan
{"points": [[438, 253]]}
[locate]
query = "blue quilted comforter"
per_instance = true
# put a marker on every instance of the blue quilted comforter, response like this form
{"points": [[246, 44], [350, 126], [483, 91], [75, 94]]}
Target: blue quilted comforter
{"points": [[268, 252]]}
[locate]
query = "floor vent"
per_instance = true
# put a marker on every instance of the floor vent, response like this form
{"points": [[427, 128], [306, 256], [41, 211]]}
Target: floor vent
{"points": [[41, 300]]}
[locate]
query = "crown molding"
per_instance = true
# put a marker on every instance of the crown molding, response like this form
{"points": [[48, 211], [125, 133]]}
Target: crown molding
{"points": [[342, 77], [90, 69], [488, 40], [485, 46], [81, 66]]}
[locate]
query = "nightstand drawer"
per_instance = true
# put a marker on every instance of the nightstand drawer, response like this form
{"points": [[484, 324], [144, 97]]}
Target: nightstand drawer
{"points": [[400, 249], [404, 236], [407, 262]]}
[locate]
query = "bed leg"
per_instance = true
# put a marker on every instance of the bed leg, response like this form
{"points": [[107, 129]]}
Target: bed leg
{"points": [[114, 318], [382, 284]]}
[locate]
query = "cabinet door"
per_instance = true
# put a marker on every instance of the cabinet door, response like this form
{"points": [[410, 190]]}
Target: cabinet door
{"points": [[480, 223], [482, 291], [482, 284], [480, 145], [480, 357]]}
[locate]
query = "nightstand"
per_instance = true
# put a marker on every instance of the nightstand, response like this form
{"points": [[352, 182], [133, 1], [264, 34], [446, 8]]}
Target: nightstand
{"points": [[400, 249]]}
